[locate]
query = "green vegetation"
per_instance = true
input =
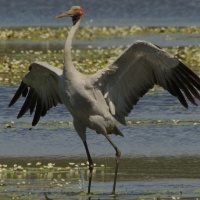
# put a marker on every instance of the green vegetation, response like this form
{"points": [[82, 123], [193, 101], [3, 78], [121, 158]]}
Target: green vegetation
{"points": [[14, 65], [49, 33]]}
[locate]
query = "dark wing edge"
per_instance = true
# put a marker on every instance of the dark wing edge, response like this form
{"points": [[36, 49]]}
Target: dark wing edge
{"points": [[40, 87], [136, 71]]}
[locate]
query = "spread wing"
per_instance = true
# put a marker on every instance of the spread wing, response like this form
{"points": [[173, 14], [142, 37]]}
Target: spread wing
{"points": [[136, 71], [40, 87]]}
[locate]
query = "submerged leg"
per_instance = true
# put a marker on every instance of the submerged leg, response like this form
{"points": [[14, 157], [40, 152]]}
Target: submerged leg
{"points": [[118, 154], [90, 165]]}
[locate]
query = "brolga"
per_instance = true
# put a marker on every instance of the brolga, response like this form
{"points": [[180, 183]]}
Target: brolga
{"points": [[101, 100]]}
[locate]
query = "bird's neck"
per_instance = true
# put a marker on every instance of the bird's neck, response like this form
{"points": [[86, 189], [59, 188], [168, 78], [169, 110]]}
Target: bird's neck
{"points": [[69, 68]]}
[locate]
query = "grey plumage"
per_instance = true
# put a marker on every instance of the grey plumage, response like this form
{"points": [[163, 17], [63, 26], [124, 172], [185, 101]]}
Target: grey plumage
{"points": [[40, 87], [100, 100]]}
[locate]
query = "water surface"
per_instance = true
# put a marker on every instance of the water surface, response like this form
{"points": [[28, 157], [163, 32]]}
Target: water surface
{"points": [[159, 125], [102, 13]]}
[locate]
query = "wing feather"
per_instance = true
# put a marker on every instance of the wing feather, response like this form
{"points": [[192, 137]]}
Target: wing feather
{"points": [[26, 104], [38, 111], [184, 88], [18, 93], [136, 71], [33, 103], [40, 87]]}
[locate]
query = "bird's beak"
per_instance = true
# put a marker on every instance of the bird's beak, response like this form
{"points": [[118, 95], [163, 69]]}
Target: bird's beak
{"points": [[65, 14]]}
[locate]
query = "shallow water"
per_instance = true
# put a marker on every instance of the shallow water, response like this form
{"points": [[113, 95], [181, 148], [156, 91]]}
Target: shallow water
{"points": [[160, 153], [177, 132], [139, 177]]}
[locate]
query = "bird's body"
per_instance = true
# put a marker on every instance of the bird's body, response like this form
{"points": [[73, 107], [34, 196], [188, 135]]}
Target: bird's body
{"points": [[84, 101], [86, 104], [102, 100]]}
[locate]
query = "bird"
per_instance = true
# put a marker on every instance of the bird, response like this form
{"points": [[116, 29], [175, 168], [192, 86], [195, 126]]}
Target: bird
{"points": [[102, 100]]}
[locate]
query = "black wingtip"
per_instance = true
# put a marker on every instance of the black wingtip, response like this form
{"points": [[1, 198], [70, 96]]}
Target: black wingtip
{"points": [[34, 123], [18, 116], [36, 119], [18, 93], [38, 112]]}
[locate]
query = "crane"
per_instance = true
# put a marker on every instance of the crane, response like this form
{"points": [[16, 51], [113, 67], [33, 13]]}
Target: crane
{"points": [[99, 101]]}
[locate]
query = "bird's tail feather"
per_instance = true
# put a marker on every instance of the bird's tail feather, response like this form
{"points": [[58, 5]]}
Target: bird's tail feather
{"points": [[116, 131]]}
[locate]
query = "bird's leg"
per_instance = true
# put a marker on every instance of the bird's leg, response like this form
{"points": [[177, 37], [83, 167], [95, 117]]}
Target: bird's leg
{"points": [[91, 165], [118, 154]]}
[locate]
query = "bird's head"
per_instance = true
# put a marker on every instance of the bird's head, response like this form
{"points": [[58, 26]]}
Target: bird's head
{"points": [[76, 12]]}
